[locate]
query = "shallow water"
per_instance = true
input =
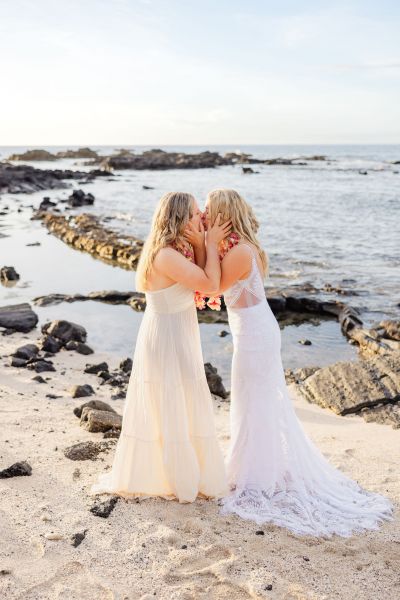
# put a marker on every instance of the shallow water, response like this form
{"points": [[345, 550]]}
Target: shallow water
{"points": [[323, 223]]}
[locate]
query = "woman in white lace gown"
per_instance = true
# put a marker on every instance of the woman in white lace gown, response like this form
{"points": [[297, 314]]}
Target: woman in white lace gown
{"points": [[276, 474], [168, 445]]}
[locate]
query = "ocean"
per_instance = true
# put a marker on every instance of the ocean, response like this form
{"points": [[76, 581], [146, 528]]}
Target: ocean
{"points": [[334, 221]]}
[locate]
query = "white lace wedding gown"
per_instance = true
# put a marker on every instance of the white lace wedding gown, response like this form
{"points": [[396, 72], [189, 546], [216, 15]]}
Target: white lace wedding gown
{"points": [[275, 473], [168, 445]]}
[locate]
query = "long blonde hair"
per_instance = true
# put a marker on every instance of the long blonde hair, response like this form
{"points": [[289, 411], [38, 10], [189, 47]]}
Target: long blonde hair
{"points": [[170, 218], [232, 206]]}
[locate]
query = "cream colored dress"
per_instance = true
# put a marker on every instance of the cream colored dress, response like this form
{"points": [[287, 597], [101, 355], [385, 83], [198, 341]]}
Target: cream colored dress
{"points": [[168, 445]]}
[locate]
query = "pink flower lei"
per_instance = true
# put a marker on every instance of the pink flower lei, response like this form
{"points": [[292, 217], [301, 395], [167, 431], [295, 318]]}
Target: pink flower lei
{"points": [[200, 299]]}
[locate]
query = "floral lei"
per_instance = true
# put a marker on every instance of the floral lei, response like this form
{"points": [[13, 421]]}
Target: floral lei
{"points": [[201, 301]]}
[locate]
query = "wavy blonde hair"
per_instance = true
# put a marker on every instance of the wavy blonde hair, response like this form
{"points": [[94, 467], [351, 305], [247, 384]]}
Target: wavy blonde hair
{"points": [[232, 206], [170, 218]]}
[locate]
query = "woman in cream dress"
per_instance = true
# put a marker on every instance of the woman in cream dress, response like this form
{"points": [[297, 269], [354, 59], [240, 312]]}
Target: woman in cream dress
{"points": [[168, 445]]}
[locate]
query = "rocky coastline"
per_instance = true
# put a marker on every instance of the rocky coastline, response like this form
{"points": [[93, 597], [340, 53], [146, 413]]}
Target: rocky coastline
{"points": [[25, 179], [369, 387], [157, 159]]}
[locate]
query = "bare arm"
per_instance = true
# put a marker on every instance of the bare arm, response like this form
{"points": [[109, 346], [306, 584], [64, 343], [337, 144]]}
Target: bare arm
{"points": [[235, 265], [173, 265]]}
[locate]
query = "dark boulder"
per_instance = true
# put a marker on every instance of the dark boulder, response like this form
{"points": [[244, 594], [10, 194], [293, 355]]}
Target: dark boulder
{"points": [[46, 203], [80, 391], [41, 365], [18, 317], [79, 198], [18, 469], [126, 365], [95, 369], [79, 347], [26, 352], [8, 274], [215, 381], [93, 405], [65, 331], [50, 344]]}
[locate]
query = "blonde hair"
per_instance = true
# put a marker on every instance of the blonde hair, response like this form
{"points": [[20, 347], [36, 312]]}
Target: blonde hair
{"points": [[170, 218], [232, 206]]}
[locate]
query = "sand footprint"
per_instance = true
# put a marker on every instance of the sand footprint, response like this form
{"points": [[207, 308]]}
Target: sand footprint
{"points": [[71, 580], [205, 576]]}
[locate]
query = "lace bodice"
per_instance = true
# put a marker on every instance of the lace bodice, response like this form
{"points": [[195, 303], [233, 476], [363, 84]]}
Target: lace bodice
{"points": [[246, 292]]}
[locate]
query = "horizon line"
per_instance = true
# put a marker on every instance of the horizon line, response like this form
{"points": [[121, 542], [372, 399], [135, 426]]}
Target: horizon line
{"points": [[158, 144]]}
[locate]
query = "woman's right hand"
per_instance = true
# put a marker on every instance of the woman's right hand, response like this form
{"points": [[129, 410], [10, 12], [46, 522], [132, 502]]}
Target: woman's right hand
{"points": [[218, 232]]}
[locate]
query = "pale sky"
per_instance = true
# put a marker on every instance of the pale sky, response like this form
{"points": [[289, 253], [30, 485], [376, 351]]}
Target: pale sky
{"points": [[199, 72]]}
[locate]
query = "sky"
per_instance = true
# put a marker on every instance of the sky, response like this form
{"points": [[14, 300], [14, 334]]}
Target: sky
{"points": [[189, 72]]}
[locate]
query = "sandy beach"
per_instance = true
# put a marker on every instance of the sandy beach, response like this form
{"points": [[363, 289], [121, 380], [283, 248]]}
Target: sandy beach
{"points": [[159, 548]]}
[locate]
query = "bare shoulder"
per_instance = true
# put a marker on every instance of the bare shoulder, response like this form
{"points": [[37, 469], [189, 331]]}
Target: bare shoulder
{"points": [[238, 253], [166, 255]]}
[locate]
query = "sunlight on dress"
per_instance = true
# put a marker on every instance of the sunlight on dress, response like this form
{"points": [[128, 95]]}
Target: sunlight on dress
{"points": [[275, 473], [168, 445]]}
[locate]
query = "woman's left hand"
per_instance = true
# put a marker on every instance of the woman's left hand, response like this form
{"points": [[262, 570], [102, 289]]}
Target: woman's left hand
{"points": [[195, 234]]}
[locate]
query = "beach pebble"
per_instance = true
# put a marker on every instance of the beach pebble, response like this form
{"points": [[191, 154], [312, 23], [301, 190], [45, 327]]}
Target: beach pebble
{"points": [[95, 369], [8, 274], [100, 420], [305, 342], [17, 469], [79, 347], [53, 536], [94, 404], [105, 508], [77, 538], [86, 450], [39, 379], [46, 517], [41, 365], [112, 433], [223, 333], [79, 391]]}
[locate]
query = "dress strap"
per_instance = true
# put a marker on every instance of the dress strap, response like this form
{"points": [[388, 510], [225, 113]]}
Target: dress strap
{"points": [[253, 253]]}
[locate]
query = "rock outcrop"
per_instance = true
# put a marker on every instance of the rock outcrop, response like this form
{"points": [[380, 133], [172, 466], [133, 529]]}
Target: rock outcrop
{"points": [[369, 386], [34, 155], [25, 179], [158, 160], [86, 232]]}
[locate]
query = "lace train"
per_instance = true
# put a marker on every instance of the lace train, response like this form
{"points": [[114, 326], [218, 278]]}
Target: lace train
{"points": [[275, 472]]}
